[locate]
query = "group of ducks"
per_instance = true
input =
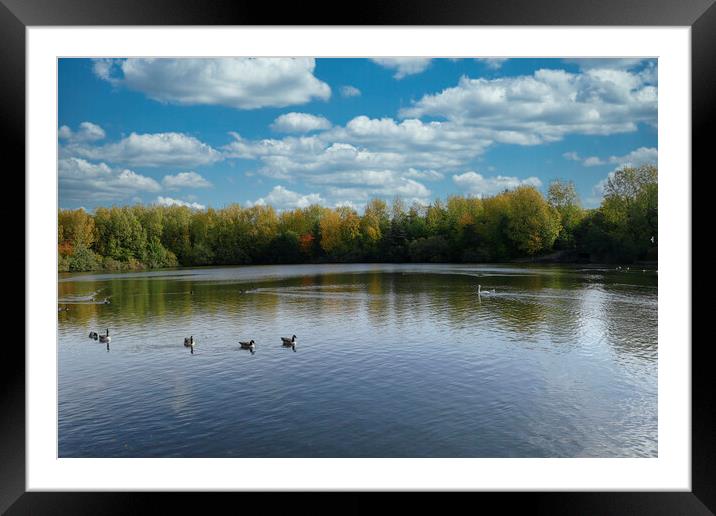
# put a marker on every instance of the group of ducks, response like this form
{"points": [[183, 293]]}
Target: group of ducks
{"points": [[190, 342], [289, 342]]}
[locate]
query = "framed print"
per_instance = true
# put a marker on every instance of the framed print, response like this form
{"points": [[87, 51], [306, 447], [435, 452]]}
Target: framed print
{"points": [[413, 252]]}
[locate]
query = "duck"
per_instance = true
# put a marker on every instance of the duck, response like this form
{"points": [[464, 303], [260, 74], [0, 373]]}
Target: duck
{"points": [[247, 345], [106, 337], [93, 335], [189, 342], [480, 291], [289, 341]]}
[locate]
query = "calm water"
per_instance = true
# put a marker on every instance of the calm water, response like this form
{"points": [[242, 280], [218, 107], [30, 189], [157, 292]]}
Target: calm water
{"points": [[391, 361]]}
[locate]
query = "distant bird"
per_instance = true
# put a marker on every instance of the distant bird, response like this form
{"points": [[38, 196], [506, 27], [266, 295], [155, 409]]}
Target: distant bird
{"points": [[247, 345], [480, 291], [189, 341], [106, 301], [93, 335], [652, 240], [106, 337], [289, 342]]}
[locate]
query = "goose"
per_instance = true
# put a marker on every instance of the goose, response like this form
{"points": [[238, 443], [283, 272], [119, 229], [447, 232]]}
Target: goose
{"points": [[480, 291], [247, 345], [289, 342], [189, 342], [106, 337], [93, 335]]}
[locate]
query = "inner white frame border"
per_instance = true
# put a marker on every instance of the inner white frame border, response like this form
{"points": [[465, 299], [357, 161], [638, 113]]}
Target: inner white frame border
{"points": [[670, 471]]}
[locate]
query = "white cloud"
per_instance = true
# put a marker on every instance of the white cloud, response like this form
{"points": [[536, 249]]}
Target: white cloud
{"points": [[493, 63], [348, 204], [350, 91], [103, 68], [82, 180], [185, 180], [282, 198], [590, 63], [87, 132], [237, 82], [545, 106], [403, 66], [168, 201], [476, 184], [429, 175], [149, 150], [592, 161], [300, 123], [635, 158]]}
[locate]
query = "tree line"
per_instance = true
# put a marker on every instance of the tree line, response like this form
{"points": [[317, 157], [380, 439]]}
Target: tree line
{"points": [[513, 225]]}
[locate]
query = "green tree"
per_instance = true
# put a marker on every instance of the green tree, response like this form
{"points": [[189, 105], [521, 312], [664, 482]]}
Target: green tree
{"points": [[562, 196], [533, 225]]}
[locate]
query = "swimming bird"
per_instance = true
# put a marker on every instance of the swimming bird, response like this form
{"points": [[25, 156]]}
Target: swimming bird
{"points": [[289, 342], [480, 291], [189, 341], [93, 335], [247, 345], [106, 337]]}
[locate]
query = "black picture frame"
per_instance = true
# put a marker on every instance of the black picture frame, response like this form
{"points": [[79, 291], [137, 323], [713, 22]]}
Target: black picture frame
{"points": [[16, 15]]}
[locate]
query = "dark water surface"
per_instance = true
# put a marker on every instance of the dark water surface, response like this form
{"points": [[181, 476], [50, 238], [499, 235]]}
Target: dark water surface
{"points": [[390, 361]]}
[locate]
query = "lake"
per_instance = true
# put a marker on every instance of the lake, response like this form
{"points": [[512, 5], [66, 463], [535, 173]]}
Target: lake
{"points": [[390, 361]]}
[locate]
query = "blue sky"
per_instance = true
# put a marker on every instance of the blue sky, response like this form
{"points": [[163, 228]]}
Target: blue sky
{"points": [[292, 132]]}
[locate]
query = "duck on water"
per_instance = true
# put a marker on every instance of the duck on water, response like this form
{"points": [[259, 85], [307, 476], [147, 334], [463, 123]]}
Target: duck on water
{"points": [[289, 342], [105, 337], [247, 344]]}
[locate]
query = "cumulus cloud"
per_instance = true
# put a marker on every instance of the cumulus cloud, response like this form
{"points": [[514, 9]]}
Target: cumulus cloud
{"points": [[404, 66], [237, 82], [592, 161], [590, 63], [545, 106], [282, 198], [185, 180], [350, 91], [635, 158], [300, 123], [476, 184], [168, 201], [87, 132], [493, 63], [81, 180], [149, 150]]}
